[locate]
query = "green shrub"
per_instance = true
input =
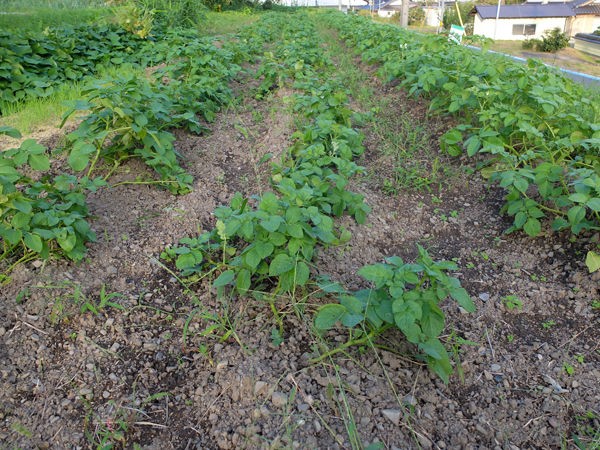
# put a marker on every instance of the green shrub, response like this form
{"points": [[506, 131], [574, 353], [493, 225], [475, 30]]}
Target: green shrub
{"points": [[416, 16], [553, 40], [530, 44], [451, 16]]}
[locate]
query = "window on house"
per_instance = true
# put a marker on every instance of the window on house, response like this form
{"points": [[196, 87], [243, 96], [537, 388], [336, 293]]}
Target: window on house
{"points": [[523, 29]]}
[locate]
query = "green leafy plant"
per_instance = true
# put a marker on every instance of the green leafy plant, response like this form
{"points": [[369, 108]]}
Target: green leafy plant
{"points": [[553, 40], [40, 215], [405, 296], [270, 240], [512, 302], [587, 431], [568, 368], [537, 130], [104, 301]]}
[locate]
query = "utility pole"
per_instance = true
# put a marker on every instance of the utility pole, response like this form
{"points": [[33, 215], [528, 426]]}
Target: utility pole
{"points": [[497, 17], [404, 14]]}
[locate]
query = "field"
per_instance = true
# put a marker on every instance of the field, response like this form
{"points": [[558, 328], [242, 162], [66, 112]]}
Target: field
{"points": [[296, 230]]}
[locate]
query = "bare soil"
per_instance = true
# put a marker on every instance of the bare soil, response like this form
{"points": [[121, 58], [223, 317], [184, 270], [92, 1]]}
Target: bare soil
{"points": [[176, 369]]}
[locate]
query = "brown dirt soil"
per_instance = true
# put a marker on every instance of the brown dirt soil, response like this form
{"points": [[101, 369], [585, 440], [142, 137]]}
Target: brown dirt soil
{"points": [[183, 370]]}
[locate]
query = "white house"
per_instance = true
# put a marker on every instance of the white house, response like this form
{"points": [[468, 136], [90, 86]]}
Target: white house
{"points": [[533, 18]]}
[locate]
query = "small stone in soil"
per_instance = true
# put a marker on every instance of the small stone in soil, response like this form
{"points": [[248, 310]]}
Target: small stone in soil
{"points": [[279, 399], [393, 415], [409, 400], [260, 388]]}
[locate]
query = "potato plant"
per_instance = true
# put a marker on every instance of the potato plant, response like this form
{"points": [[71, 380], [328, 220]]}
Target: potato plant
{"points": [[537, 130], [39, 215], [270, 241]]}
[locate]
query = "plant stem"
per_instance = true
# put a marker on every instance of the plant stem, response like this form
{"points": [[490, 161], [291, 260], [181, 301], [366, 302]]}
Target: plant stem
{"points": [[363, 340]]}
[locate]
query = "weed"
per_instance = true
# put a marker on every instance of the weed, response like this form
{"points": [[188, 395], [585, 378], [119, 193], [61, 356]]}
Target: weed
{"points": [[510, 338], [587, 431], [548, 324], [104, 301], [568, 368], [512, 302], [456, 342]]}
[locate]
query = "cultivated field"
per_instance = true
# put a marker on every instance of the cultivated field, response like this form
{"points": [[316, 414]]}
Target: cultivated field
{"points": [[311, 231]]}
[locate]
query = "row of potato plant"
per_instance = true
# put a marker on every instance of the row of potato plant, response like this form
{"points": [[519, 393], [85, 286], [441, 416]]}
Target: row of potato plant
{"points": [[271, 240], [130, 116], [41, 214], [539, 132]]}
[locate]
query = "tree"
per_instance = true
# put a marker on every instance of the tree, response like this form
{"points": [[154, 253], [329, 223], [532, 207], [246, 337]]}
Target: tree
{"points": [[416, 16]]}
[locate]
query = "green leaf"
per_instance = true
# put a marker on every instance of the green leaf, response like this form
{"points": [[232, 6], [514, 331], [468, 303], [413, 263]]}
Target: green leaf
{"points": [[272, 223], [576, 214], [281, 263], [521, 184], [302, 273], [11, 235], [185, 261], [39, 162], [532, 227], [328, 315], [463, 298], [80, 156], [224, 279], [473, 145], [33, 242], [579, 197], [295, 230], [10, 131], [67, 241], [22, 204], [377, 273], [243, 281], [434, 348], [594, 204], [592, 261], [21, 221]]}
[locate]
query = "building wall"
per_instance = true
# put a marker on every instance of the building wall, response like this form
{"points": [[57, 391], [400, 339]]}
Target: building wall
{"points": [[584, 24], [504, 31], [432, 16]]}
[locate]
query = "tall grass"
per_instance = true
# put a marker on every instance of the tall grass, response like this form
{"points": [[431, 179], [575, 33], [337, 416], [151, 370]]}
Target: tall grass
{"points": [[42, 18], [227, 21], [31, 114], [37, 15], [20, 5]]}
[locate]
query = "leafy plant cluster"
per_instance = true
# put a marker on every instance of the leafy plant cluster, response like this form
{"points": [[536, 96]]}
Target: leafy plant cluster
{"points": [[125, 117], [552, 41], [406, 296], [270, 240], [539, 132], [129, 116], [39, 214], [33, 64]]}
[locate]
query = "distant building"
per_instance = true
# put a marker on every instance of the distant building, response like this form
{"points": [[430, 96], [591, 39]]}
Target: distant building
{"points": [[533, 18]]}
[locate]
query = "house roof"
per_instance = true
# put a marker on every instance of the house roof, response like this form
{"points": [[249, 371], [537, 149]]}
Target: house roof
{"points": [[588, 9], [387, 5], [540, 10], [526, 10]]}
